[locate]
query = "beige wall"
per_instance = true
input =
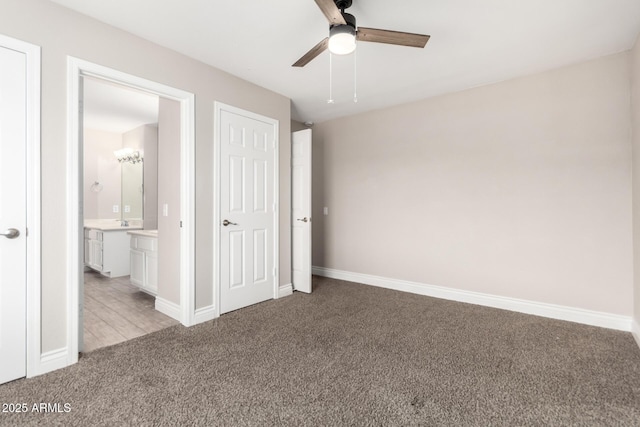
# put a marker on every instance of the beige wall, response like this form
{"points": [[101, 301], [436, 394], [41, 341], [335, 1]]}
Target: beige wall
{"points": [[296, 126], [169, 195], [635, 122], [151, 177], [519, 189], [61, 32]]}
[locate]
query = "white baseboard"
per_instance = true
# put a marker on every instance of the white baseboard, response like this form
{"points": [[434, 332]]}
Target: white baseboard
{"points": [[204, 314], [51, 361], [635, 330], [285, 290], [572, 314], [169, 308]]}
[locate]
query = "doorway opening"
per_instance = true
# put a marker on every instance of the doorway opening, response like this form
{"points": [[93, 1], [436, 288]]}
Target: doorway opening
{"points": [[93, 246], [121, 158]]}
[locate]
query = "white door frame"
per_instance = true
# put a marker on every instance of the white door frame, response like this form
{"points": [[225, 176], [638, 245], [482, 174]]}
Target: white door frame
{"points": [[77, 68], [34, 308], [218, 107]]}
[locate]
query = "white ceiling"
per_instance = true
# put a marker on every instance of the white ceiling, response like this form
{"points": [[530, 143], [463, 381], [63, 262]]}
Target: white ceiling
{"points": [[472, 43], [114, 108]]}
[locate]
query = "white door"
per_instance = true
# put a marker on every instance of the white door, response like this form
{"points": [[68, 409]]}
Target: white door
{"points": [[301, 210], [248, 239], [13, 215]]}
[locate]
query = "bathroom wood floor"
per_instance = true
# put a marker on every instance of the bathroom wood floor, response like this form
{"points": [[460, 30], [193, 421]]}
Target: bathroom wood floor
{"points": [[116, 311]]}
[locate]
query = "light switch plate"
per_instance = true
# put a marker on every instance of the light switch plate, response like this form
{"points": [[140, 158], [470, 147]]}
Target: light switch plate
{"points": [[165, 210], [326, 210], [116, 208]]}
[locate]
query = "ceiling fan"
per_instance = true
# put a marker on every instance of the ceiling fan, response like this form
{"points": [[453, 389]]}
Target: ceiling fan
{"points": [[343, 33]]}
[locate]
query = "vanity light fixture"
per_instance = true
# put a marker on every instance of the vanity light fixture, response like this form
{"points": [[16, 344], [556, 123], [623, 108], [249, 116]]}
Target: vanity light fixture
{"points": [[128, 155]]}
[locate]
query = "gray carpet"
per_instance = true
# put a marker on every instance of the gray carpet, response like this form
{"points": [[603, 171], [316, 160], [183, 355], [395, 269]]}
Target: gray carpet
{"points": [[350, 354]]}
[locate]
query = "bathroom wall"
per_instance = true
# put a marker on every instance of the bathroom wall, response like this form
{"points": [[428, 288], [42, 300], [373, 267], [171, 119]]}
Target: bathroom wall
{"points": [[134, 138], [100, 165]]}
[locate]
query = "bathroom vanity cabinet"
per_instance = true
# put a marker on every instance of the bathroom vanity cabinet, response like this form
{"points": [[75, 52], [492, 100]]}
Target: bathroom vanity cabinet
{"points": [[143, 255], [106, 251]]}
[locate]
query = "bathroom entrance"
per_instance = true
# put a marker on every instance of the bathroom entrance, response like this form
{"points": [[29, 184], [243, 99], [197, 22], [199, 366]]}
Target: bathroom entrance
{"points": [[121, 155], [133, 200]]}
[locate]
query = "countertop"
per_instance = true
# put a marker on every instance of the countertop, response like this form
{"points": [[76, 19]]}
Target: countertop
{"points": [[111, 225], [144, 233]]}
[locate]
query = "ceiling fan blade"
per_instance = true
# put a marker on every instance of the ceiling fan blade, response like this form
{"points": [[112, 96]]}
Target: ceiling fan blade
{"points": [[331, 11], [315, 51], [391, 37]]}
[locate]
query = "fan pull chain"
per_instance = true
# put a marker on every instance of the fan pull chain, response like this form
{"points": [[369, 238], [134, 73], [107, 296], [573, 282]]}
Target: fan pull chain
{"points": [[355, 76], [330, 100]]}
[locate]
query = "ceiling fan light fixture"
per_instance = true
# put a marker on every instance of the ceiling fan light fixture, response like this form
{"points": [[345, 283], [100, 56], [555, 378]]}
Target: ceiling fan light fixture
{"points": [[342, 39]]}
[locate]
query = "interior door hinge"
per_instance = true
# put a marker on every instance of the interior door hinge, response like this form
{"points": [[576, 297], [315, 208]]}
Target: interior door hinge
{"points": [[180, 224]]}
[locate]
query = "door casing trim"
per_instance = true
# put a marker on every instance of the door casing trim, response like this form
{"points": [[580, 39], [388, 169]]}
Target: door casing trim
{"points": [[77, 68]]}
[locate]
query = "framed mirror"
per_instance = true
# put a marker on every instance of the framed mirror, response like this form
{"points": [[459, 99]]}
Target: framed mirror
{"points": [[132, 190]]}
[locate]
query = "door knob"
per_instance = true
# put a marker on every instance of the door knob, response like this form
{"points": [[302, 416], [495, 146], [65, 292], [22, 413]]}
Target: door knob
{"points": [[227, 222], [11, 233], [305, 219]]}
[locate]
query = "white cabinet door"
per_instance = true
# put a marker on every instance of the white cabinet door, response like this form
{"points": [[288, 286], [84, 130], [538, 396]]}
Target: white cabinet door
{"points": [[144, 263], [96, 255], [87, 252], [151, 272], [137, 267], [115, 257]]}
